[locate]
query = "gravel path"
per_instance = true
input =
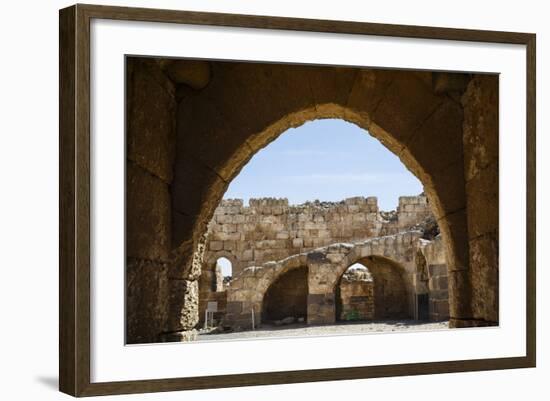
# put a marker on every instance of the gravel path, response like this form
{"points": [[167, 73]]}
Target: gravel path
{"points": [[302, 330]]}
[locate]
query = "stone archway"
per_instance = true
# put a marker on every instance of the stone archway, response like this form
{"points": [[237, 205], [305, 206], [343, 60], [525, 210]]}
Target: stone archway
{"points": [[286, 297], [388, 294], [211, 284], [354, 294], [242, 107], [395, 107], [392, 296], [391, 258]]}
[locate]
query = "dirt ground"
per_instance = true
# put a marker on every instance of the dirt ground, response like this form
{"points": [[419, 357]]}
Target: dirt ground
{"points": [[302, 330]]}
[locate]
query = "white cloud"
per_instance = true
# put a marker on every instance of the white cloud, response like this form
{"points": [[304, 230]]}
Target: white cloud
{"points": [[367, 178], [306, 152]]}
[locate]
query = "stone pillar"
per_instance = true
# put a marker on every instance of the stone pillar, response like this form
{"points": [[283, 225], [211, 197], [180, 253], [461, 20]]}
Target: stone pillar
{"points": [[321, 308], [184, 310], [481, 173], [150, 156], [321, 302], [184, 294]]}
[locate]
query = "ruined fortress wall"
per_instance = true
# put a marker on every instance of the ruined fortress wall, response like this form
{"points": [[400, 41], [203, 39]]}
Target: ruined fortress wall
{"points": [[411, 211], [271, 229], [356, 299], [438, 283]]}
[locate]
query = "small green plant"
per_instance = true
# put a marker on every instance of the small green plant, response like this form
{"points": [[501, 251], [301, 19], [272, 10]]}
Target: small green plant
{"points": [[352, 315]]}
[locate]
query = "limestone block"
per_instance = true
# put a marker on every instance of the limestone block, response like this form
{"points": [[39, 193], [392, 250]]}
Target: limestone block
{"points": [[459, 284], [437, 270], [239, 219], [335, 257], [233, 210], [280, 244], [216, 235], [318, 218], [233, 307], [372, 217], [359, 217], [480, 124], [184, 302], [484, 273], [215, 245], [247, 255], [324, 234], [229, 228], [229, 245], [223, 219], [317, 242], [236, 236], [148, 215], [282, 235], [151, 115], [482, 195], [277, 210], [146, 300]]}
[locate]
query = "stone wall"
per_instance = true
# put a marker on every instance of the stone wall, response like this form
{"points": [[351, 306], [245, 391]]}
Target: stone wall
{"points": [[436, 278], [481, 166], [392, 261], [412, 210], [150, 142], [446, 135], [271, 229], [416, 115], [392, 288], [355, 296], [287, 296]]}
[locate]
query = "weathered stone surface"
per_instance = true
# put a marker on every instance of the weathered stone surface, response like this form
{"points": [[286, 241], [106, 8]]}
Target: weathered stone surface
{"points": [[481, 162], [460, 294], [275, 230], [151, 120], [480, 124], [194, 73], [356, 296], [414, 109], [255, 285], [440, 134], [444, 82], [402, 103], [455, 232], [146, 300], [184, 304], [147, 215], [287, 296], [369, 88], [483, 202], [485, 272], [324, 88], [223, 124]]}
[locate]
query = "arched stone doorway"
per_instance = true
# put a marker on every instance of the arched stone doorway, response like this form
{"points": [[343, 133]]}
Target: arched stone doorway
{"points": [[354, 294], [444, 140], [387, 291], [285, 301], [215, 275], [392, 297]]}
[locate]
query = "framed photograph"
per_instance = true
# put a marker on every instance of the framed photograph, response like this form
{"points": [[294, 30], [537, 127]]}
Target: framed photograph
{"points": [[250, 200]]}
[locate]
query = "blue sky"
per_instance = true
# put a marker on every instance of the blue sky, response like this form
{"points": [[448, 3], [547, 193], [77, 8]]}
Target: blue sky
{"points": [[329, 160]]}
